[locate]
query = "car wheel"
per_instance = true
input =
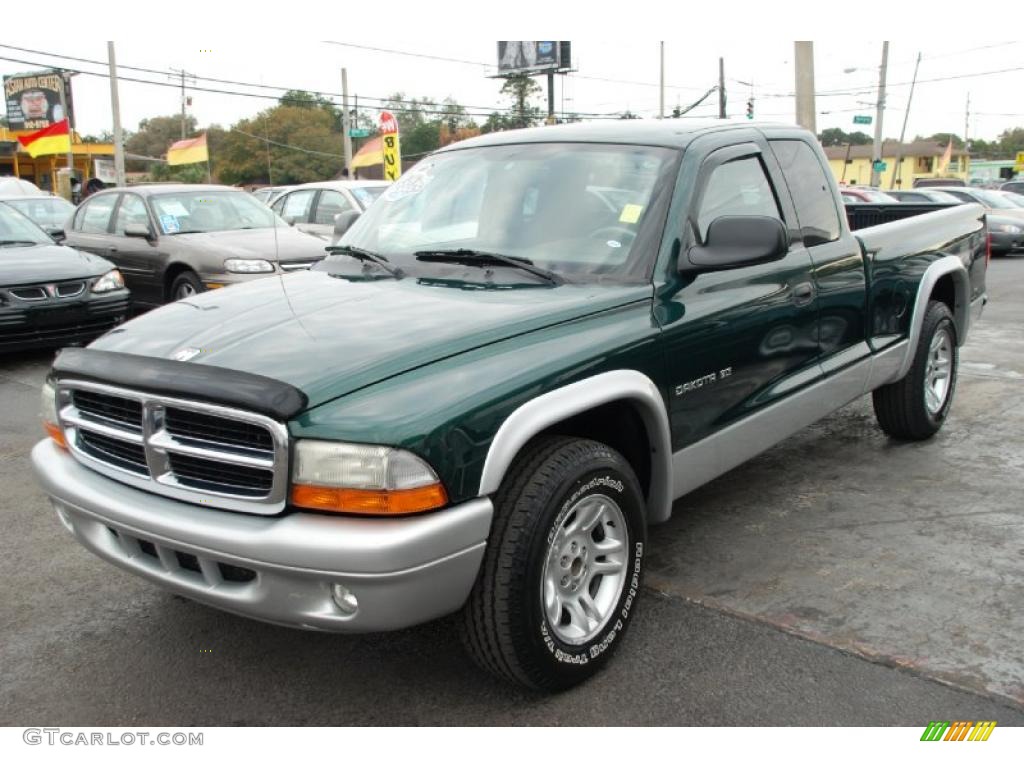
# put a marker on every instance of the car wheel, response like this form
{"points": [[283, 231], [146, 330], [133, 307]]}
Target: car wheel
{"points": [[561, 575], [185, 285], [915, 407]]}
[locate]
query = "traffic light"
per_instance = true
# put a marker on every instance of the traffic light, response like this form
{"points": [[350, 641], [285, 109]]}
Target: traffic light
{"points": [[750, 108]]}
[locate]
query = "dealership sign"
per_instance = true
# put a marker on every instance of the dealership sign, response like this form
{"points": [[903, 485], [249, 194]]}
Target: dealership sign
{"points": [[34, 100]]}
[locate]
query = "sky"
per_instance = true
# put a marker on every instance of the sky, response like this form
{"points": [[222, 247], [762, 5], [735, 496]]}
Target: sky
{"points": [[611, 75]]}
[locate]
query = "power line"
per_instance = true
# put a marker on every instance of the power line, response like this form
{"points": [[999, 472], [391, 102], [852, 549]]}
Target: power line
{"points": [[288, 146], [492, 66]]}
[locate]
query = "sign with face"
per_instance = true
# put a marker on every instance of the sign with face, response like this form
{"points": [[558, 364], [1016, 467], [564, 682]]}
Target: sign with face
{"points": [[34, 100]]}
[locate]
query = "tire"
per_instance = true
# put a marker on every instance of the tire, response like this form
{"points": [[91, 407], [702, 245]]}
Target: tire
{"points": [[554, 484], [186, 284], [905, 409]]}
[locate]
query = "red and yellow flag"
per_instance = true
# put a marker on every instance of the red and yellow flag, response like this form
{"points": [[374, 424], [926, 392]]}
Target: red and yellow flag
{"points": [[52, 140], [188, 151]]}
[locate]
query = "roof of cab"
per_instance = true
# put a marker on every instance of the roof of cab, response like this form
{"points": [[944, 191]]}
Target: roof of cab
{"points": [[665, 133]]}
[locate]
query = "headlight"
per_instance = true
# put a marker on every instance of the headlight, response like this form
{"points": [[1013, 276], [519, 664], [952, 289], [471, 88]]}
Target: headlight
{"points": [[248, 266], [109, 282], [363, 479], [48, 412], [1010, 229]]}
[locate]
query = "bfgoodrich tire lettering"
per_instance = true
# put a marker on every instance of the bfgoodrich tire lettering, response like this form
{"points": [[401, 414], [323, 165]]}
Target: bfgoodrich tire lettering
{"points": [[906, 409], [505, 625]]}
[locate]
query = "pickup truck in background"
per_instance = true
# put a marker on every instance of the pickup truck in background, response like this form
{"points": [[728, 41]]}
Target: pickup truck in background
{"points": [[509, 367]]}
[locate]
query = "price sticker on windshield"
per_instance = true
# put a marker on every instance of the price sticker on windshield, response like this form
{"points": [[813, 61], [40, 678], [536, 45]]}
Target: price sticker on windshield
{"points": [[169, 224], [631, 213]]}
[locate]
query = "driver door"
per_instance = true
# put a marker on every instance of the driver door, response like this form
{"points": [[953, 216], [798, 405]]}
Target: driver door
{"points": [[738, 339]]}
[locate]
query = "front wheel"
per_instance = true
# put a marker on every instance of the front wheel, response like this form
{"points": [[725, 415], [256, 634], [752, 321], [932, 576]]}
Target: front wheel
{"points": [[916, 406], [561, 575], [186, 285]]}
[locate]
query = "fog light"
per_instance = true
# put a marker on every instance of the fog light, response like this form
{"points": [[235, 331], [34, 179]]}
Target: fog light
{"points": [[344, 599], [63, 515]]}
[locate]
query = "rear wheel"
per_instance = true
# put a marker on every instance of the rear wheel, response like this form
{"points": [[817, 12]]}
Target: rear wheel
{"points": [[561, 575], [185, 285], [915, 407]]}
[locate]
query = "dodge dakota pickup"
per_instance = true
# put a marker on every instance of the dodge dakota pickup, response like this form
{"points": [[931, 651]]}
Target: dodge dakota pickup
{"points": [[505, 372]]}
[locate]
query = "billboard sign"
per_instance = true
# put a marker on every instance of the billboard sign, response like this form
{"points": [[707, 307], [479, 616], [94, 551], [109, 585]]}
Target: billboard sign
{"points": [[34, 100], [532, 56]]}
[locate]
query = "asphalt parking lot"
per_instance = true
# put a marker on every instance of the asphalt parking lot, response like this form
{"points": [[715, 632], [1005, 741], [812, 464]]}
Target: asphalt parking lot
{"points": [[839, 579]]}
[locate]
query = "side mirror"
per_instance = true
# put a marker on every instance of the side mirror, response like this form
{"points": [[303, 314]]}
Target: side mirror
{"points": [[343, 222], [736, 241], [138, 230], [57, 234]]}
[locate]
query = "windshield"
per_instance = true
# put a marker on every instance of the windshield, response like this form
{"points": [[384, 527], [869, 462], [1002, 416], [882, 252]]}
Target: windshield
{"points": [[578, 210], [992, 199], [366, 195], [17, 229], [1013, 197], [180, 213], [938, 196], [877, 197], [47, 212]]}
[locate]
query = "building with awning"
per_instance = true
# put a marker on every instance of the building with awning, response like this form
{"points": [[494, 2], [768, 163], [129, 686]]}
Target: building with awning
{"points": [[90, 160]]}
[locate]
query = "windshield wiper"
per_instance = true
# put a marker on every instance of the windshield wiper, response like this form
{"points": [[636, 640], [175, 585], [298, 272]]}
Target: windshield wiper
{"points": [[475, 258], [367, 257], [18, 242]]}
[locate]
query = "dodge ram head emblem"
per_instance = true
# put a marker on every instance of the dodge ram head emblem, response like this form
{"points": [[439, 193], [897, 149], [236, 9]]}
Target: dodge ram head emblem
{"points": [[185, 354]]}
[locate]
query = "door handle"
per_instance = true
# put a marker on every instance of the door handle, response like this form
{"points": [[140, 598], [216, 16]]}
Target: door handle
{"points": [[802, 294]]}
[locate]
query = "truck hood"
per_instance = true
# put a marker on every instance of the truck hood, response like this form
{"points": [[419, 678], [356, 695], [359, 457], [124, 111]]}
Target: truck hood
{"points": [[329, 336], [46, 263], [285, 244]]}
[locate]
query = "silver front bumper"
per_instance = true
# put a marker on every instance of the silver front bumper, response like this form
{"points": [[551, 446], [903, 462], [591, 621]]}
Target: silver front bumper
{"points": [[401, 571]]}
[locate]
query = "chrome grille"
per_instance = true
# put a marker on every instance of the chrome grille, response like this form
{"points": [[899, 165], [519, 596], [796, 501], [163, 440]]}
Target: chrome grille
{"points": [[31, 293], [199, 452], [69, 290], [294, 266]]}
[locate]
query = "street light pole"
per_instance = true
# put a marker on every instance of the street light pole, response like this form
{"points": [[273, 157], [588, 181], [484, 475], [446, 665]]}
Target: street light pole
{"points": [[346, 124], [876, 174], [661, 82]]}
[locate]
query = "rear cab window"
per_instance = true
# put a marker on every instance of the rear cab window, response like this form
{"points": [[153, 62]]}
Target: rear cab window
{"points": [[811, 191]]}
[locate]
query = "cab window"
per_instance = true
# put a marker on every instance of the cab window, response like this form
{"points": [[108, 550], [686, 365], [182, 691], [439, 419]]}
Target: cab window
{"points": [[737, 188]]}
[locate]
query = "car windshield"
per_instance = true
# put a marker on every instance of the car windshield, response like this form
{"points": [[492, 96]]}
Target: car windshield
{"points": [[992, 199], [47, 212], [578, 210], [181, 213], [877, 197], [18, 229], [366, 195], [938, 196], [1013, 197]]}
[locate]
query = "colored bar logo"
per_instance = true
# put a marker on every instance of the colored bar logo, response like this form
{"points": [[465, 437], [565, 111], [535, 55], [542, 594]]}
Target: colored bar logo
{"points": [[961, 730]]}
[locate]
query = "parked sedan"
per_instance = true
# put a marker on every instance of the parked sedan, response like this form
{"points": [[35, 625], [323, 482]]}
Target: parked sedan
{"points": [[1013, 186], [266, 194], [49, 212], [174, 240], [923, 195], [861, 195], [315, 207], [52, 295]]}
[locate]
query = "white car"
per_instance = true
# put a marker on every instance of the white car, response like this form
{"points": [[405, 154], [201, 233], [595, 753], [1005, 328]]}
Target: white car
{"points": [[313, 207]]}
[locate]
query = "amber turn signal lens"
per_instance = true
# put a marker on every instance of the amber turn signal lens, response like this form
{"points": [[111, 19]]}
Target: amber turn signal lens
{"points": [[56, 434], [362, 502]]}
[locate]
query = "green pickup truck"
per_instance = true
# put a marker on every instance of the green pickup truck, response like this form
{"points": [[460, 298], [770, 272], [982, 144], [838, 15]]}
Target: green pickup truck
{"points": [[508, 369]]}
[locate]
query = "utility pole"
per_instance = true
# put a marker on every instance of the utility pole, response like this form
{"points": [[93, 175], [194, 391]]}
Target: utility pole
{"points": [[967, 120], [64, 77], [115, 110], [661, 81], [551, 98], [897, 173], [721, 88], [182, 75], [346, 123], [803, 58], [876, 175]]}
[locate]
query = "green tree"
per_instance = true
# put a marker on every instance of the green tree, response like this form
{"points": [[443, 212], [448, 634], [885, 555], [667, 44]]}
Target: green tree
{"points": [[1011, 141], [519, 89], [154, 136], [837, 137], [306, 148]]}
